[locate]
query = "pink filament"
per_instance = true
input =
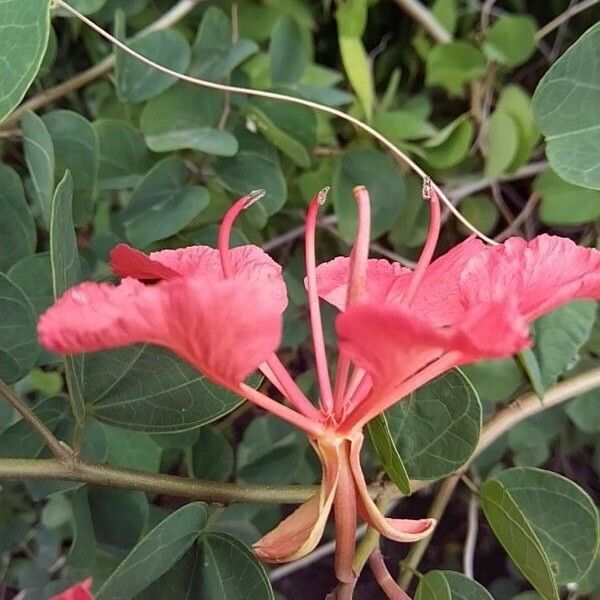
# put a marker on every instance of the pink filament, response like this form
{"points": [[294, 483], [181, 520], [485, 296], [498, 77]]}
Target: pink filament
{"points": [[313, 301], [430, 243], [276, 373], [365, 411]]}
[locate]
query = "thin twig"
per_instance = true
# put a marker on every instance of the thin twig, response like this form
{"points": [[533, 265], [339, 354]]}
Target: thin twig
{"points": [[407, 160], [424, 17], [59, 450], [472, 530], [565, 16], [386, 582], [172, 16], [168, 485], [438, 506], [519, 219]]}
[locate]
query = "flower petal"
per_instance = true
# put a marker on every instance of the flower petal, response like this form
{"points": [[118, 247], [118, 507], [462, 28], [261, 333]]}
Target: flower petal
{"points": [[332, 280], [299, 534], [249, 262], [394, 343], [80, 591], [540, 275], [129, 262], [438, 296], [212, 326], [399, 530]]}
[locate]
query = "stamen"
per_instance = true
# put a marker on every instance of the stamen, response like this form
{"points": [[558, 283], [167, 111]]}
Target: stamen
{"points": [[281, 411], [276, 373], [364, 412], [433, 234], [226, 225], [356, 283], [360, 252], [316, 324]]}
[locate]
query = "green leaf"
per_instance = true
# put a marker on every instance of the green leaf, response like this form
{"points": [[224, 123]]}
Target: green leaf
{"points": [[563, 517], [136, 81], [229, 571], [24, 31], [271, 452], [76, 149], [358, 70], [33, 275], [187, 117], [287, 51], [558, 337], [391, 461], [18, 344], [453, 65], [436, 428], [518, 537], [481, 211], [82, 553], [566, 107], [149, 389], [120, 528], [212, 456], [450, 145], [66, 272], [402, 125], [449, 585], [292, 128], [511, 40], [494, 380], [351, 17], [132, 450], [464, 588], [162, 204], [502, 144], [433, 586], [516, 103], [531, 367], [380, 174], [563, 203], [39, 157], [214, 55], [256, 166], [156, 553], [17, 229], [584, 411], [123, 155], [20, 440]]}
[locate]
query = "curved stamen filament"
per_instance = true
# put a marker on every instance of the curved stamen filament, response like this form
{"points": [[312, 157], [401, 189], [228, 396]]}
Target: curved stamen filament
{"points": [[280, 410], [356, 283], [276, 373], [433, 234], [313, 300], [227, 224], [364, 412]]}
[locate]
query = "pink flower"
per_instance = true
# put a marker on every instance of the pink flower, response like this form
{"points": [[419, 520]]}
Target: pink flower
{"points": [[221, 310], [80, 591]]}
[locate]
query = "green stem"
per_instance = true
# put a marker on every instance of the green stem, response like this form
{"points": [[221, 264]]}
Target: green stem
{"points": [[116, 477], [438, 506], [59, 450]]}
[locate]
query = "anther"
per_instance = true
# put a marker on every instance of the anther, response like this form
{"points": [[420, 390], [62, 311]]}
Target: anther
{"points": [[254, 196], [322, 195]]}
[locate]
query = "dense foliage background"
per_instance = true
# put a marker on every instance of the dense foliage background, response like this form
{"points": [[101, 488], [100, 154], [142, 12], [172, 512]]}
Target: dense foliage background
{"points": [[156, 162]]}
